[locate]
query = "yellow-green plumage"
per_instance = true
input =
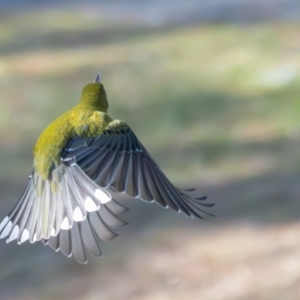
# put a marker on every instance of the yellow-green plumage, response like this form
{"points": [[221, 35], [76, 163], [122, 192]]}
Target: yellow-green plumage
{"points": [[87, 119]]}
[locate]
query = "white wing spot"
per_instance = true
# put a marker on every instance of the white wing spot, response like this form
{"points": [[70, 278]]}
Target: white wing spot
{"points": [[14, 234], [53, 232], [3, 223], [103, 197], [65, 224], [90, 205], [34, 238], [24, 236], [77, 215], [6, 230]]}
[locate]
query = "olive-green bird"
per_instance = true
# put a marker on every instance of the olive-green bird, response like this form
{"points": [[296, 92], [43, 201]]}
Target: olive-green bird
{"points": [[79, 160]]}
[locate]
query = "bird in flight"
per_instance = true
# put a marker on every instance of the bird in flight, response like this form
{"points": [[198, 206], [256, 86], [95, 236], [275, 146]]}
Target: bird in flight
{"points": [[80, 160]]}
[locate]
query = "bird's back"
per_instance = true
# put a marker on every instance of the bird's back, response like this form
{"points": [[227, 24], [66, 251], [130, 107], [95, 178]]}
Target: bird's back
{"points": [[80, 121]]}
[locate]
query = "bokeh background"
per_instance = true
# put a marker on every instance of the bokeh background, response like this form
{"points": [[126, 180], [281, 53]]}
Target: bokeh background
{"points": [[212, 90]]}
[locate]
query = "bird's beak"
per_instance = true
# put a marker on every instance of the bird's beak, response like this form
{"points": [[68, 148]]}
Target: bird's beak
{"points": [[98, 78]]}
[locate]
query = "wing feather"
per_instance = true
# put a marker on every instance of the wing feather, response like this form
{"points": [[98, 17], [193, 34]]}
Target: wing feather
{"points": [[125, 166], [152, 184]]}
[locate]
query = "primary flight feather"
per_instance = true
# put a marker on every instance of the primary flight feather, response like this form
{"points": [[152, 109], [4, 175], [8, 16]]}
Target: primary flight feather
{"points": [[79, 160]]}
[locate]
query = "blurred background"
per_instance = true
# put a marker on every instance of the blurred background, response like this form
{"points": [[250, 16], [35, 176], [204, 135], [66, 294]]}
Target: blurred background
{"points": [[212, 90]]}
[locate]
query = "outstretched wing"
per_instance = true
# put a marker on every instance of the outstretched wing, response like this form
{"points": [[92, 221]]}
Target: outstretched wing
{"points": [[117, 160]]}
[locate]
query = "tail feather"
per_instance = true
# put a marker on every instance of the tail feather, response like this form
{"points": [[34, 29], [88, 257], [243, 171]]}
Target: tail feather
{"points": [[84, 237], [65, 242], [53, 242], [90, 239], [42, 213], [78, 249]]}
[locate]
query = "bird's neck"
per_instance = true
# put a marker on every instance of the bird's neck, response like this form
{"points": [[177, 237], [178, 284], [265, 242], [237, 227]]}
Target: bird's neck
{"points": [[92, 106]]}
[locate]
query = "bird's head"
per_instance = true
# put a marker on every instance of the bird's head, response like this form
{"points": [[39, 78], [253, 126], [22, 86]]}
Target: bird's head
{"points": [[94, 96]]}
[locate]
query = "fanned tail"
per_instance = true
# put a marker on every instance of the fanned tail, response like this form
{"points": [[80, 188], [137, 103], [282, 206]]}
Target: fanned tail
{"points": [[57, 203], [85, 236]]}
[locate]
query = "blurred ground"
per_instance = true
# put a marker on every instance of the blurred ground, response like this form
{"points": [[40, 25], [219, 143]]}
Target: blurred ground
{"points": [[216, 105]]}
